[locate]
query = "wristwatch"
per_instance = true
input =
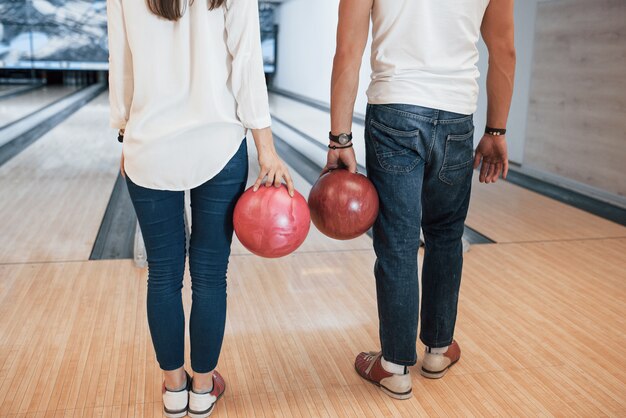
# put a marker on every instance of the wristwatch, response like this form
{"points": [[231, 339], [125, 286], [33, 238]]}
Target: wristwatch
{"points": [[341, 139]]}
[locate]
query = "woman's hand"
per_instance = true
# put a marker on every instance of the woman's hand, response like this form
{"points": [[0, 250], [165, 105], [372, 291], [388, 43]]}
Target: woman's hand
{"points": [[273, 169], [122, 172]]}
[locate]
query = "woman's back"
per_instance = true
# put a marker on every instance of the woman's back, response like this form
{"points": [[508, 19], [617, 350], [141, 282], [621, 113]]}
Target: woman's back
{"points": [[184, 90]]}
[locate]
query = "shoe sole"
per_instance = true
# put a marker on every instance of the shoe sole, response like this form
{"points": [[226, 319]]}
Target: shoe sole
{"points": [[205, 414], [178, 414], [388, 392], [436, 375]]}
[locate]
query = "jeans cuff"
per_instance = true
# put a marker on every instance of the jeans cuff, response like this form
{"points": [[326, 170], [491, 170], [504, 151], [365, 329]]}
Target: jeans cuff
{"points": [[202, 369], [168, 368], [439, 344], [395, 360]]}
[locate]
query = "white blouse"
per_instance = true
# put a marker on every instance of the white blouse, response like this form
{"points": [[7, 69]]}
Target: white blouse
{"points": [[186, 91]]}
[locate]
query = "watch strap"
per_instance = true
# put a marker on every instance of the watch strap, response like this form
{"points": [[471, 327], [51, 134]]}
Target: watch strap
{"points": [[335, 138]]}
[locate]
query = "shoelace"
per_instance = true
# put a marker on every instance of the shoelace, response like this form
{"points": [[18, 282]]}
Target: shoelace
{"points": [[372, 355]]}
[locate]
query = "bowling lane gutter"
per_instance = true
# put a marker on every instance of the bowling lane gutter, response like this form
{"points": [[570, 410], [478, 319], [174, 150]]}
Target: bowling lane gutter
{"points": [[116, 235], [311, 140], [311, 171], [356, 118], [20, 90]]}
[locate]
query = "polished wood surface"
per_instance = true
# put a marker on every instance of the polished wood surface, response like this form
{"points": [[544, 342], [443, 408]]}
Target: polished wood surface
{"points": [[53, 195], [541, 327], [16, 107], [576, 123], [541, 319], [508, 213]]}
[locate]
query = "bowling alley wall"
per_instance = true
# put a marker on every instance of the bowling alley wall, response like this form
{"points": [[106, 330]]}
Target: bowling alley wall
{"points": [[544, 139]]}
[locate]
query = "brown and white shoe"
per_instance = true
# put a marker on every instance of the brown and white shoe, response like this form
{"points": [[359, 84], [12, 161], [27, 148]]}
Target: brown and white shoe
{"points": [[435, 366], [370, 368], [201, 405]]}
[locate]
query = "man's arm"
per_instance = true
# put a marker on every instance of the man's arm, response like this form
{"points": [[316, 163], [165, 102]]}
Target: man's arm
{"points": [[352, 33], [498, 32]]}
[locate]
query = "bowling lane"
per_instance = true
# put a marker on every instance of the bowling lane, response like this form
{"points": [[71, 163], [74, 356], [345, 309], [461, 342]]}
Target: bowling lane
{"points": [[53, 194], [315, 241], [503, 212], [9, 88], [508, 213], [312, 122], [17, 107]]}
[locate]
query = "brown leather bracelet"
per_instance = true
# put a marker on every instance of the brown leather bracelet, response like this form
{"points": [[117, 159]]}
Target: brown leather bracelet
{"points": [[340, 146], [494, 131]]}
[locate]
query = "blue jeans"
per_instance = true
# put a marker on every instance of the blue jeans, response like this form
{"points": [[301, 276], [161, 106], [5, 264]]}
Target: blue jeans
{"points": [[420, 161], [161, 218]]}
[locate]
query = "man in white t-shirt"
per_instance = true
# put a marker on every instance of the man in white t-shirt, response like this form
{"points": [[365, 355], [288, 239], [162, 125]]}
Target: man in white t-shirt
{"points": [[419, 148]]}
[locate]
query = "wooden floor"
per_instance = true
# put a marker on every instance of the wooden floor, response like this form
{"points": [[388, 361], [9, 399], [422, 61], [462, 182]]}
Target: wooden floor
{"points": [[542, 316], [53, 194], [22, 105], [508, 213], [541, 326]]}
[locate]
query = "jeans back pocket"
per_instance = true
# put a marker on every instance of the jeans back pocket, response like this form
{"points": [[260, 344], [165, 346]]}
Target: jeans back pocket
{"points": [[396, 150], [458, 158]]}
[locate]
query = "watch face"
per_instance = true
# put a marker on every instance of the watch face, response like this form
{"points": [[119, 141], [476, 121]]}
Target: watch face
{"points": [[344, 139]]}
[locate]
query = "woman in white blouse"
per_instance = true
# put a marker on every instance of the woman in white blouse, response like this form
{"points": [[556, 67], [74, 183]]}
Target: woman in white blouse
{"points": [[186, 83]]}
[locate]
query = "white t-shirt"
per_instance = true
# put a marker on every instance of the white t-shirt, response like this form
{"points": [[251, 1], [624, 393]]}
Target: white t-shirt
{"points": [[184, 91], [424, 53]]}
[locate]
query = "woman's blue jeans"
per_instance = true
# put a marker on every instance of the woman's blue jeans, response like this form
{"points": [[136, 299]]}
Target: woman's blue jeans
{"points": [[161, 218]]}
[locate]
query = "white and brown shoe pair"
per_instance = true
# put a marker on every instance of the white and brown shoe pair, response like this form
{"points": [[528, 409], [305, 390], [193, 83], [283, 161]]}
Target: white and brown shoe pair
{"points": [[183, 402], [399, 386]]}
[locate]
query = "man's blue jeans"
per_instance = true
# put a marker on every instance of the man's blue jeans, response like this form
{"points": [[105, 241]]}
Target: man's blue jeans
{"points": [[161, 218], [420, 161]]}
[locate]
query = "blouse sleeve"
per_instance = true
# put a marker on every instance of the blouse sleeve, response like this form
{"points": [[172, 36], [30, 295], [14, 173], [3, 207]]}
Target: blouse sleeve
{"points": [[120, 66], [243, 38]]}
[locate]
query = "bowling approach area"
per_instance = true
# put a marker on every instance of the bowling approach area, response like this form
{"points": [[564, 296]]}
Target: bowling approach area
{"points": [[541, 319]]}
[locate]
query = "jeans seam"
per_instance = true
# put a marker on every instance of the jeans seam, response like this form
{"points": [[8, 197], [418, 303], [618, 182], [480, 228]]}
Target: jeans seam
{"points": [[406, 114]]}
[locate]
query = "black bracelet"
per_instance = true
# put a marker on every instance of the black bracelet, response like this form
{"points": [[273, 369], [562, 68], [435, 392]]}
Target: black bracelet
{"points": [[339, 146], [494, 131], [120, 138]]}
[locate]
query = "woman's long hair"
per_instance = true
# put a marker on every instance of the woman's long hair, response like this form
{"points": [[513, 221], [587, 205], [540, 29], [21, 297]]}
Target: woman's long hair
{"points": [[175, 9]]}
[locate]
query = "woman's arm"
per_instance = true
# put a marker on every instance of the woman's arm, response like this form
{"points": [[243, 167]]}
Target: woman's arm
{"points": [[243, 39], [120, 66]]}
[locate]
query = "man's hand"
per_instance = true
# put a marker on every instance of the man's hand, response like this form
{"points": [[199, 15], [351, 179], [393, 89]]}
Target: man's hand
{"points": [[492, 151], [340, 158]]}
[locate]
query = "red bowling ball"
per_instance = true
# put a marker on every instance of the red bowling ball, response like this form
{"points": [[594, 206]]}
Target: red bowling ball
{"points": [[270, 223], [343, 205]]}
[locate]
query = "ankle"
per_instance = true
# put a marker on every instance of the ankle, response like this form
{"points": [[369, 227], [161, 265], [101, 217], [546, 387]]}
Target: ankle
{"points": [[438, 350], [202, 382], [394, 368], [175, 380]]}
